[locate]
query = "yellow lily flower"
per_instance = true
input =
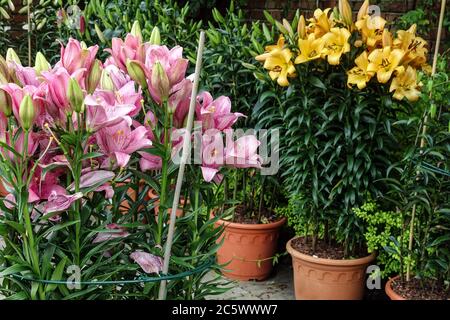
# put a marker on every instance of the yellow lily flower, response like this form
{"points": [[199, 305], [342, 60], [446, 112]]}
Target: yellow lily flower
{"points": [[405, 85], [360, 75], [415, 47], [336, 44], [279, 45], [384, 62], [278, 62], [310, 49], [320, 23], [371, 29]]}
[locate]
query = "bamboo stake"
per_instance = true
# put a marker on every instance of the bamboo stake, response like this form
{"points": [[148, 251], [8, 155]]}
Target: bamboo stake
{"points": [[30, 2], [186, 151], [424, 131]]}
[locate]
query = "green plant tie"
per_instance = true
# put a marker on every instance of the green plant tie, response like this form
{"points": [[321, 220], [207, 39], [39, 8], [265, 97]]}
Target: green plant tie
{"points": [[141, 279]]}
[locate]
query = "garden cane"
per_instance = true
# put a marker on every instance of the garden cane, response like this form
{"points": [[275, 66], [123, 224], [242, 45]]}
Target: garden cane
{"points": [[424, 130], [185, 153]]}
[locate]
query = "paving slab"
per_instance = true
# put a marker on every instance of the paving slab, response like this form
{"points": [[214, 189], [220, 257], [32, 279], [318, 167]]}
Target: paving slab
{"points": [[278, 287]]}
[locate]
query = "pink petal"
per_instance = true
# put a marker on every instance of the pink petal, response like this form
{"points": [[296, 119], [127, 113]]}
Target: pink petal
{"points": [[147, 261]]}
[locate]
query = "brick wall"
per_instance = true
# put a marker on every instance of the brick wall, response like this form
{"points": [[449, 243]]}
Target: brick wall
{"points": [[390, 10]]}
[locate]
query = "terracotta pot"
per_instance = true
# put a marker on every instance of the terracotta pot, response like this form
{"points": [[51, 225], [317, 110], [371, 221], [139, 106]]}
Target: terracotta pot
{"points": [[3, 191], [125, 205], [248, 248], [390, 292], [328, 279], [151, 194]]}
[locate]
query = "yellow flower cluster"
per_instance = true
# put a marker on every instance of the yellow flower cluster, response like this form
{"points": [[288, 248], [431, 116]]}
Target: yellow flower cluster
{"points": [[327, 36]]}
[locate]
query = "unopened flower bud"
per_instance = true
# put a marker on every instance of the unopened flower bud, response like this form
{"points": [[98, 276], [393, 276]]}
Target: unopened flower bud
{"points": [[75, 95], [136, 72], [5, 103], [41, 64], [106, 82], [301, 28], [155, 37], [160, 81], [93, 79], [11, 56], [346, 12], [363, 11], [27, 112], [136, 30]]}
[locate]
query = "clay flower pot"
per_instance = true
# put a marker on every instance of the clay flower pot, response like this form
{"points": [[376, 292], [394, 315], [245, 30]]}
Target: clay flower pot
{"points": [[248, 248], [390, 292], [3, 191], [151, 194], [328, 279], [124, 205]]}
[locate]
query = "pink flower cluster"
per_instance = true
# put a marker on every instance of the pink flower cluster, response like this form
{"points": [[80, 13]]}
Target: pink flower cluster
{"points": [[110, 108]]}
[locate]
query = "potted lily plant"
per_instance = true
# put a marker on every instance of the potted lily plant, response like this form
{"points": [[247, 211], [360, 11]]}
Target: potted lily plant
{"points": [[348, 83], [76, 140], [250, 238]]}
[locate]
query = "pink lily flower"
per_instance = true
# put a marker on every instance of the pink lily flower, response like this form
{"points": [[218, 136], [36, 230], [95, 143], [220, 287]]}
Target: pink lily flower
{"points": [[179, 101], [217, 114], [118, 77], [41, 189], [149, 161], [74, 57], [121, 51], [243, 153], [117, 232], [17, 93], [102, 110], [58, 202], [172, 62], [19, 143], [92, 178], [26, 75], [57, 81], [147, 261], [212, 154], [118, 142]]}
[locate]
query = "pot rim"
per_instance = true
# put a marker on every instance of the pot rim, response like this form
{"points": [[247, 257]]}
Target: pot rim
{"points": [[152, 195], [344, 263], [248, 226], [390, 291]]}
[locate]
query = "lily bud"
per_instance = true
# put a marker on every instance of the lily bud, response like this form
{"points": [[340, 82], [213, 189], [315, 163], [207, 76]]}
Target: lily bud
{"points": [[160, 81], [155, 37], [27, 112], [41, 64], [106, 82], [346, 12], [136, 73], [11, 56], [5, 103], [4, 71], [75, 96], [387, 38], [94, 77], [301, 27], [363, 10], [136, 30]]}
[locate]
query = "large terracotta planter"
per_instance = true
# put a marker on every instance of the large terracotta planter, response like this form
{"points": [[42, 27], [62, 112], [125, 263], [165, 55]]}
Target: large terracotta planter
{"points": [[390, 292], [3, 191], [125, 205], [328, 279], [248, 248]]}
